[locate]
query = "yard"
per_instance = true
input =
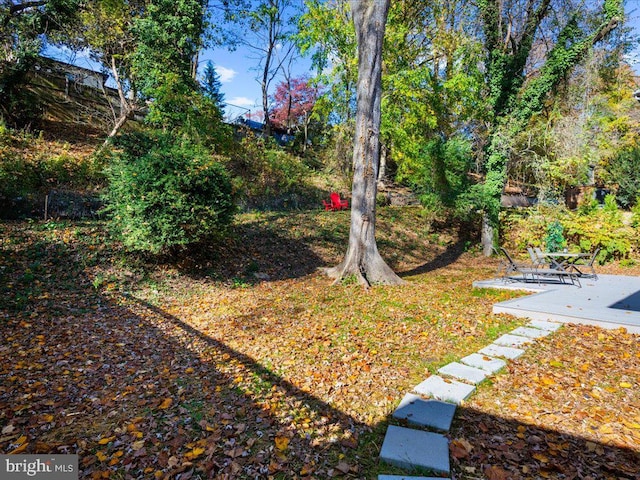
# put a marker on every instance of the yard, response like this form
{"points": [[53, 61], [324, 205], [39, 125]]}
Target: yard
{"points": [[243, 361]]}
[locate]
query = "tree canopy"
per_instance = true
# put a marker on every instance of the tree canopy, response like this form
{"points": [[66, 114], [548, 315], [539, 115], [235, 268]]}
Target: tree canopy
{"points": [[473, 97]]}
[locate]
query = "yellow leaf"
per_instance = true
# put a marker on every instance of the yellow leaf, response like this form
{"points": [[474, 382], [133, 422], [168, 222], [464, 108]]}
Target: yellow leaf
{"points": [[282, 443], [21, 440], [105, 440], [606, 429], [548, 381], [632, 425], [196, 452], [540, 457], [47, 417], [166, 403], [137, 445], [189, 370], [101, 456], [625, 385]]}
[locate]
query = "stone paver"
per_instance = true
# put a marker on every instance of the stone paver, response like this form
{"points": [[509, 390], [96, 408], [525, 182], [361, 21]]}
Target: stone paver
{"points": [[445, 390], [411, 449], [425, 413], [463, 372], [544, 325], [508, 340], [405, 477], [500, 351], [530, 332], [484, 362]]}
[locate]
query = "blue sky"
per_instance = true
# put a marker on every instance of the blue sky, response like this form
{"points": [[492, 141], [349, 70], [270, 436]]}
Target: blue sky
{"points": [[238, 75]]}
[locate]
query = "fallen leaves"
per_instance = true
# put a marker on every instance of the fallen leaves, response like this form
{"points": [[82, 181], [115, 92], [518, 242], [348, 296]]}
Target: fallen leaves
{"points": [[282, 443], [460, 448], [568, 417], [183, 377]]}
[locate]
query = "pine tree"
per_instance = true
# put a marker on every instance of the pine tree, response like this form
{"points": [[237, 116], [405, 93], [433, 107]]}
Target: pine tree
{"points": [[211, 85]]}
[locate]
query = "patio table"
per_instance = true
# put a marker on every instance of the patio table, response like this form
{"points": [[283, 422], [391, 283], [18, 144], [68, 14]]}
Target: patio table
{"points": [[566, 260]]}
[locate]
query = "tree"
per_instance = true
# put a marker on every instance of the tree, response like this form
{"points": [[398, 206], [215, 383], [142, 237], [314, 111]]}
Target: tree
{"points": [[432, 97], [515, 99], [107, 30], [266, 30], [211, 84], [169, 36], [22, 26], [362, 259], [326, 32], [293, 104]]}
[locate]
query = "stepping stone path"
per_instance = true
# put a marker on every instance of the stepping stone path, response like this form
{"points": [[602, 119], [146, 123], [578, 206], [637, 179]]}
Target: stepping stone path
{"points": [[432, 404]]}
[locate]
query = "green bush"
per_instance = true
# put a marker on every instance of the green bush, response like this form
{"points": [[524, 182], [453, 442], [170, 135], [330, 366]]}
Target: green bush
{"points": [[166, 192], [554, 240], [603, 228], [625, 171], [584, 230]]}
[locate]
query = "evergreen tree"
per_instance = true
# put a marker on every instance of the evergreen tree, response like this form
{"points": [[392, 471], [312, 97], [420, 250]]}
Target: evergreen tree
{"points": [[211, 85]]}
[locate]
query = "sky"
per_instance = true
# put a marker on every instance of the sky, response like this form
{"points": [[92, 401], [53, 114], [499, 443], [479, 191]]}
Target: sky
{"points": [[238, 71]]}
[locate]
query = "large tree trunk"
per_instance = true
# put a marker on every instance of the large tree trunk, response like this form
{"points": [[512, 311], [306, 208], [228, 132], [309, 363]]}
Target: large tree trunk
{"points": [[362, 259], [487, 236]]}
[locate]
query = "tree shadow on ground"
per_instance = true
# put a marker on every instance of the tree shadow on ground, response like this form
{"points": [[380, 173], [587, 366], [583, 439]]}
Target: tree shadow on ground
{"points": [[135, 390], [449, 256], [257, 252], [502, 448]]}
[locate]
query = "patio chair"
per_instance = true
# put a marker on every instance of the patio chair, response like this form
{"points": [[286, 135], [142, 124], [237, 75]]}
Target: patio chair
{"points": [[512, 266], [537, 260], [587, 264], [534, 273]]}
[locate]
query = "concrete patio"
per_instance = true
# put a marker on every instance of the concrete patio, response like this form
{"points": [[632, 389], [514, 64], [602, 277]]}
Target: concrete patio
{"points": [[611, 301]]}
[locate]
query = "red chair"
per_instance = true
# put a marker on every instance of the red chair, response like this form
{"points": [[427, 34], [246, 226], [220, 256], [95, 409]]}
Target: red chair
{"points": [[327, 206], [337, 203]]}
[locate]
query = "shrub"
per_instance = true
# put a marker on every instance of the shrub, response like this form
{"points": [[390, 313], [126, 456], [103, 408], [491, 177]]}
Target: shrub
{"points": [[583, 229], [554, 240], [603, 228], [625, 171], [166, 193], [266, 173]]}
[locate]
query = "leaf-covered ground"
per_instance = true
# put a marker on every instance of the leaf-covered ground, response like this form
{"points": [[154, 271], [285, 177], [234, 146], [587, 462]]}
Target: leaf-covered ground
{"points": [[243, 361]]}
